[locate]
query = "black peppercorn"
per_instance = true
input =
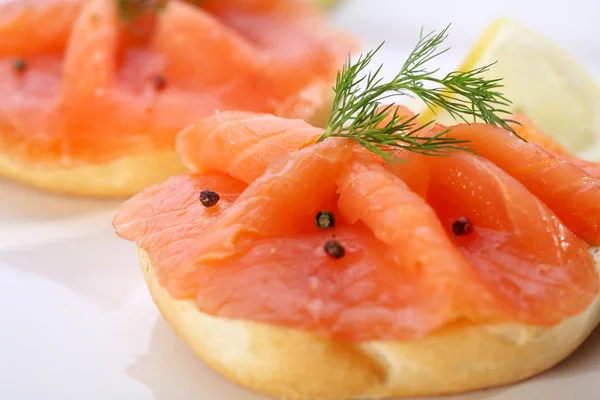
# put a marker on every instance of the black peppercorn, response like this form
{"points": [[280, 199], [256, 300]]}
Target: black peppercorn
{"points": [[334, 249], [19, 65], [462, 226], [160, 82], [208, 198], [325, 220]]}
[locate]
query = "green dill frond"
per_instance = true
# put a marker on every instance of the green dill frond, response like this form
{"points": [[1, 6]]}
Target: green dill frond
{"points": [[357, 111], [132, 9]]}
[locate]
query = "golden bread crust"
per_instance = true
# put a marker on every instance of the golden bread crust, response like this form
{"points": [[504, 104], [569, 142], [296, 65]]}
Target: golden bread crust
{"points": [[292, 364], [120, 178], [116, 179]]}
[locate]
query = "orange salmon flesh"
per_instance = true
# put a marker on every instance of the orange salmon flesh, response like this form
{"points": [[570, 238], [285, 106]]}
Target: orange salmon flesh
{"points": [[82, 85], [465, 238]]}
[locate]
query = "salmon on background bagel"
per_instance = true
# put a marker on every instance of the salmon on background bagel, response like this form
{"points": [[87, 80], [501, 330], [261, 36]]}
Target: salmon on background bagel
{"points": [[311, 270], [93, 95]]}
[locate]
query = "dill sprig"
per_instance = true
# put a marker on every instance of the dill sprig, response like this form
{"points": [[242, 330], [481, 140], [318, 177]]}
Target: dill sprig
{"points": [[357, 111], [132, 9]]}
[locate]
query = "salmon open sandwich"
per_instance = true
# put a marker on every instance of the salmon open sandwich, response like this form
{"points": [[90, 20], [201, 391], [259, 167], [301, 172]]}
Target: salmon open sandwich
{"points": [[379, 256], [94, 92]]}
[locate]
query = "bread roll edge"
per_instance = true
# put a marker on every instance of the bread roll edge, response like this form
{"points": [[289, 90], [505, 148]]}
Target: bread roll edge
{"points": [[293, 364]]}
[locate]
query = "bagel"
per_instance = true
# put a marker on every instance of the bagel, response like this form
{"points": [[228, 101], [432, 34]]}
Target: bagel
{"points": [[118, 178], [94, 108], [114, 179], [293, 364]]}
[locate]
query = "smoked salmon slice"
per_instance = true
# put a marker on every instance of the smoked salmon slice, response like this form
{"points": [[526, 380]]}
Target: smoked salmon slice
{"points": [[81, 85], [242, 144], [161, 227], [526, 129], [471, 246], [570, 192], [525, 255], [33, 27]]}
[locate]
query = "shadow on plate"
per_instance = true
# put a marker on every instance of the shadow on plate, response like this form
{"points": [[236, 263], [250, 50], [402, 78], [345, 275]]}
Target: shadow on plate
{"points": [[24, 204], [172, 371], [585, 359], [96, 265]]}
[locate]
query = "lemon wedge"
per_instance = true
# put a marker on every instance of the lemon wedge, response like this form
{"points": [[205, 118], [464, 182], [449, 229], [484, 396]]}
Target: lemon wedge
{"points": [[541, 81]]}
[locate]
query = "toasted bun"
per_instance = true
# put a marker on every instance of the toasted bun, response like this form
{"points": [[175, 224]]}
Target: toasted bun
{"points": [[293, 364], [120, 178]]}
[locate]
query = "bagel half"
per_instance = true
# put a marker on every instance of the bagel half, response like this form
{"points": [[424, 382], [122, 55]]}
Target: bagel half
{"points": [[116, 179], [122, 177], [293, 364]]}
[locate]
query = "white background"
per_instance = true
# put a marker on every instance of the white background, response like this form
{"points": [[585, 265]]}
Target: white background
{"points": [[71, 329]]}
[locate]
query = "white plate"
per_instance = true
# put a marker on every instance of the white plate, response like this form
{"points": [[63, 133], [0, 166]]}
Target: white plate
{"points": [[76, 320]]}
